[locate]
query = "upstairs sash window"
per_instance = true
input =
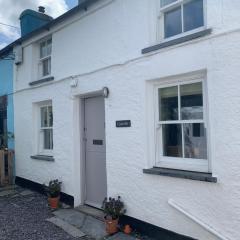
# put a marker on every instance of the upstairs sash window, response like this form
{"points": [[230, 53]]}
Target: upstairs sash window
{"points": [[45, 58], [181, 16]]}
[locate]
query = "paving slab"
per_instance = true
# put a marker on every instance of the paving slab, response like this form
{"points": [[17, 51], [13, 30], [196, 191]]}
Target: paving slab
{"points": [[9, 187], [87, 224], [68, 228], [71, 216], [122, 236], [5, 193], [94, 228], [26, 192]]}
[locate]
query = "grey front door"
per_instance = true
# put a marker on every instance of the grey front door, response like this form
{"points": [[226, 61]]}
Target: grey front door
{"points": [[96, 179]]}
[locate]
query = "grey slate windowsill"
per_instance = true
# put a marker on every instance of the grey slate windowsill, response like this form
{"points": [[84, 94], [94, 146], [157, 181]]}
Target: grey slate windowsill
{"points": [[43, 157], [198, 176], [177, 41], [43, 80]]}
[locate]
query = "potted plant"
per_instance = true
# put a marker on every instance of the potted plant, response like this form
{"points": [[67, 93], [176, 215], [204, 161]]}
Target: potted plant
{"points": [[53, 191], [113, 209], [4, 140]]}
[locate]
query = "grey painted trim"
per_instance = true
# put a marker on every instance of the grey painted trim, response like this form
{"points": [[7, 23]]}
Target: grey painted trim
{"points": [[177, 41], [41, 81], [92, 94], [44, 158], [99, 93], [199, 176]]}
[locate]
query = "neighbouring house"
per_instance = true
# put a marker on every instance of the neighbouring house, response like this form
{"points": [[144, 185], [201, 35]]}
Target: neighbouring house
{"points": [[30, 21], [6, 99], [138, 99]]}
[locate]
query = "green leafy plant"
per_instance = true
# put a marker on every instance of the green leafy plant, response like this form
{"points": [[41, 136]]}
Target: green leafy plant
{"points": [[4, 138], [54, 188], [113, 208]]}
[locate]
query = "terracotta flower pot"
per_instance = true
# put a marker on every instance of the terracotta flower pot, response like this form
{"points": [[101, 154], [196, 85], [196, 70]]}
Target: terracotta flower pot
{"points": [[111, 226], [53, 202], [127, 229]]}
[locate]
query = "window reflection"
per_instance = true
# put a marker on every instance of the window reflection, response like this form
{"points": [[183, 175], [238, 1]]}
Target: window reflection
{"points": [[195, 141], [172, 140], [193, 15], [168, 99], [173, 22], [191, 101]]}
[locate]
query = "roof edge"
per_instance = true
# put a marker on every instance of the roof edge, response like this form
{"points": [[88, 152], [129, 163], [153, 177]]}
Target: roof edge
{"points": [[48, 25], [6, 50]]}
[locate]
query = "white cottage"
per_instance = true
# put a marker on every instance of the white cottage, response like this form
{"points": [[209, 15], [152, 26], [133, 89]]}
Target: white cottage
{"points": [[140, 99]]}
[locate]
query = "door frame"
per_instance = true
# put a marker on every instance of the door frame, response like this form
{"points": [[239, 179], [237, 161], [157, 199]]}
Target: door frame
{"points": [[80, 153]]}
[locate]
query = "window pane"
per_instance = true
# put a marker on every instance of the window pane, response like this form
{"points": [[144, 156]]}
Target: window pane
{"points": [[46, 48], [195, 140], [191, 101], [44, 117], [43, 50], [47, 139], [193, 15], [166, 2], [50, 116], [173, 22], [172, 140], [49, 47], [46, 67], [168, 103]]}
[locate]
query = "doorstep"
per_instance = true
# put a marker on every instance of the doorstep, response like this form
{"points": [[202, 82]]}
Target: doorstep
{"points": [[91, 211], [87, 224]]}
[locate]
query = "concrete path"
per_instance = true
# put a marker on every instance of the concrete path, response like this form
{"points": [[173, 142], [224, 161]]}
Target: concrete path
{"points": [[86, 223]]}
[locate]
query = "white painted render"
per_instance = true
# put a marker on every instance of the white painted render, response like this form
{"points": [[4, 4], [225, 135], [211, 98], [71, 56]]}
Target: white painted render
{"points": [[102, 47]]}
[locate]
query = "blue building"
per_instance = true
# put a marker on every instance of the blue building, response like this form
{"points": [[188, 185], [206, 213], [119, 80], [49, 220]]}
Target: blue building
{"points": [[30, 21], [6, 99]]}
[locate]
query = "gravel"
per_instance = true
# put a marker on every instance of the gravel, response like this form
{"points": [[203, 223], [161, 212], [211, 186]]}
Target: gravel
{"points": [[24, 218]]}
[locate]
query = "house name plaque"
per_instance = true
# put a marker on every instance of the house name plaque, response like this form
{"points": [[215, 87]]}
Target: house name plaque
{"points": [[123, 123]]}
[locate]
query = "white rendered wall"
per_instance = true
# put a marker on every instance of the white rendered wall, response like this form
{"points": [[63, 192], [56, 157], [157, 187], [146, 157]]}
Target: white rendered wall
{"points": [[98, 49]]}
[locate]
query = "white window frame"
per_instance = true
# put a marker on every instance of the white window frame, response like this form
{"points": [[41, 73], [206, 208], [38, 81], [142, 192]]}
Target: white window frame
{"points": [[189, 164], [41, 59], [41, 150], [160, 25]]}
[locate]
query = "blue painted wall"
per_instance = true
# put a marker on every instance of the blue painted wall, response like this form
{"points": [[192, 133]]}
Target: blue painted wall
{"points": [[6, 88], [31, 20]]}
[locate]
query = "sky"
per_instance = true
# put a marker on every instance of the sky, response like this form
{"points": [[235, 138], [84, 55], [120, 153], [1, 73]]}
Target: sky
{"points": [[10, 11]]}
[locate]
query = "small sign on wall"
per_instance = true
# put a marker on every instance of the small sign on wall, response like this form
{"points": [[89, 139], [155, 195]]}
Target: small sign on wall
{"points": [[123, 123]]}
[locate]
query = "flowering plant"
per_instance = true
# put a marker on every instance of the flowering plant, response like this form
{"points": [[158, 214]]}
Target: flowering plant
{"points": [[54, 188], [113, 208]]}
